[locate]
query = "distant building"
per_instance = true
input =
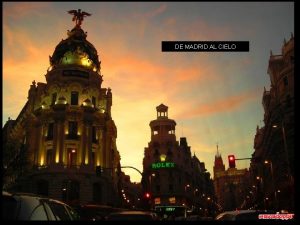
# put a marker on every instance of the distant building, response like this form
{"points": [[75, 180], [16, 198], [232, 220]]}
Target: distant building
{"points": [[131, 193], [272, 164], [230, 185], [175, 179], [65, 131]]}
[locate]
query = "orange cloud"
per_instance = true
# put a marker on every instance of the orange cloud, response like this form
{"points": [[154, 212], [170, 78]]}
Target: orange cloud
{"points": [[21, 9], [156, 11], [226, 104], [199, 29], [153, 13]]}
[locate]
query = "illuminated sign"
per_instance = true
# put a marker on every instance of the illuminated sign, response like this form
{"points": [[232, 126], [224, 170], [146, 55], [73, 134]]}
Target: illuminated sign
{"points": [[159, 165], [170, 209], [172, 200], [157, 201]]}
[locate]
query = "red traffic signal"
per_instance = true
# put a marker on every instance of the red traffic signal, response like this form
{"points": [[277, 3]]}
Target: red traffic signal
{"points": [[231, 160], [147, 195]]}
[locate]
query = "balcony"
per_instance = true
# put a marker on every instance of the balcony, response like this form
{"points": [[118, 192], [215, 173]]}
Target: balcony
{"points": [[72, 137]]}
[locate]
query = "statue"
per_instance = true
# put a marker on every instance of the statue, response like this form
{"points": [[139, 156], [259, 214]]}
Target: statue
{"points": [[78, 16]]}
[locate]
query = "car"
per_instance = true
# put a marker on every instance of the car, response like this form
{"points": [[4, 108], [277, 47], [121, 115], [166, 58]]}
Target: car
{"points": [[197, 218], [242, 214], [132, 215], [95, 212], [27, 206]]}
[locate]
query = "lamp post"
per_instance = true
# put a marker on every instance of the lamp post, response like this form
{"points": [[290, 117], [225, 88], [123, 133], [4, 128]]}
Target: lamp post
{"points": [[150, 189], [260, 190], [273, 182], [285, 151], [186, 196], [290, 179]]}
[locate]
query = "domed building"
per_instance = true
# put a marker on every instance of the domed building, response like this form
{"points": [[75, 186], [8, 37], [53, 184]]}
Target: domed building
{"points": [[63, 143]]}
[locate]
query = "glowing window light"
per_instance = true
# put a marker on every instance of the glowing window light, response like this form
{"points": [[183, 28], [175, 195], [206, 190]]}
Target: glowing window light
{"points": [[86, 61], [42, 160], [163, 157], [57, 157]]}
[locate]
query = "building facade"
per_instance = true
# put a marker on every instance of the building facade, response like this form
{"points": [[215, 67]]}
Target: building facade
{"points": [[174, 178], [231, 185], [65, 130], [272, 164]]}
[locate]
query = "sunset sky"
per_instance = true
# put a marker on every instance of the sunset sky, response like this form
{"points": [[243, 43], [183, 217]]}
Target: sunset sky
{"points": [[213, 97]]}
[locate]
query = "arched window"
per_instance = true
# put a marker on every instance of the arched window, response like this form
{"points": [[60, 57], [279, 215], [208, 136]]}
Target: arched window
{"points": [[74, 98], [49, 157], [72, 156]]}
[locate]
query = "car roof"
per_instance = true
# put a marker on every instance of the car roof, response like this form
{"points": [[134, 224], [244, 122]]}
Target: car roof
{"points": [[235, 212], [128, 212]]}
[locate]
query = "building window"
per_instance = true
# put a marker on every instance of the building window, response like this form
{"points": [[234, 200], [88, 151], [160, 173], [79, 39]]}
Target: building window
{"points": [[288, 101], [285, 81], [157, 177], [74, 98], [93, 160], [49, 157], [292, 59], [73, 128], [97, 192], [72, 155], [169, 153], [53, 100], [94, 135], [50, 131], [94, 101]]}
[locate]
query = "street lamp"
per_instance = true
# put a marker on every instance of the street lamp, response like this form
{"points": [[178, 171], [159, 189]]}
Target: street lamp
{"points": [[273, 181], [186, 186]]}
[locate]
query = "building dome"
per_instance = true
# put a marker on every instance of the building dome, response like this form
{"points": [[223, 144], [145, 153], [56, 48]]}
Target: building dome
{"points": [[75, 50]]}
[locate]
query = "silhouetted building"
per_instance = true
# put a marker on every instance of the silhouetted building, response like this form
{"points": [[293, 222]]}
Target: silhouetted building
{"points": [[272, 164], [231, 185], [65, 131], [174, 178], [131, 193]]}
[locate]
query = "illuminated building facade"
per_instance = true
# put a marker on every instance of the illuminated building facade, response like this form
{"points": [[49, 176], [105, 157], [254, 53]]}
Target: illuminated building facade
{"points": [[230, 185], [272, 164], [65, 130], [174, 178]]}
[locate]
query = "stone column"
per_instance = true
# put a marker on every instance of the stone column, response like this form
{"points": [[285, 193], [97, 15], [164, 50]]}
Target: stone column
{"points": [[61, 139], [38, 151], [55, 141]]}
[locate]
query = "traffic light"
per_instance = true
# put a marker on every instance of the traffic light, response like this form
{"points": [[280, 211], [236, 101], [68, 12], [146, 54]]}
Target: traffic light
{"points": [[231, 160], [147, 195], [98, 171]]}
